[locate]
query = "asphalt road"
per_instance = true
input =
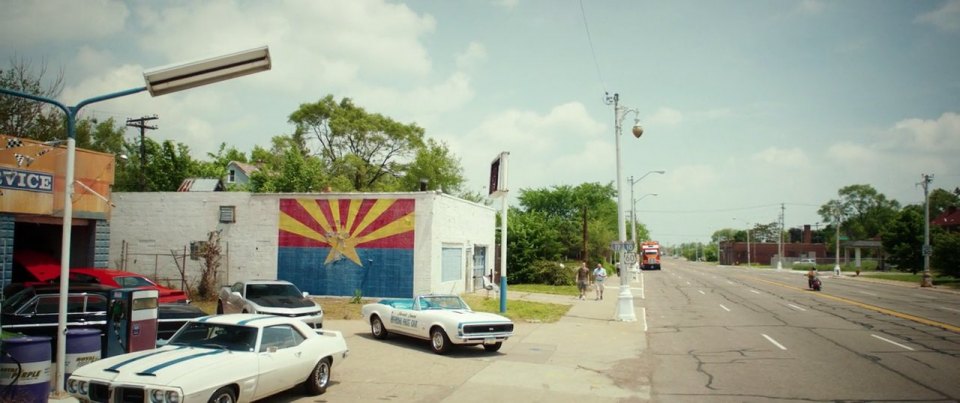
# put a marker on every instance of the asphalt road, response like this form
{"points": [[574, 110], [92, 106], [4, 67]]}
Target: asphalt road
{"points": [[732, 334]]}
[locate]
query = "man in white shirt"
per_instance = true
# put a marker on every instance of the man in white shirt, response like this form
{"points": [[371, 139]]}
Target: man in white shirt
{"points": [[599, 276]]}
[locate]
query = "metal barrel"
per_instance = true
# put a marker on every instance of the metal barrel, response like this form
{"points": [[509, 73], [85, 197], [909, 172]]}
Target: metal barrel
{"points": [[83, 347], [25, 369]]}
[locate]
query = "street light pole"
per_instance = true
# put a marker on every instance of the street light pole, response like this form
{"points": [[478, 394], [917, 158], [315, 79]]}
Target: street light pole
{"points": [[625, 310], [633, 203], [748, 239], [836, 257], [927, 279], [158, 82]]}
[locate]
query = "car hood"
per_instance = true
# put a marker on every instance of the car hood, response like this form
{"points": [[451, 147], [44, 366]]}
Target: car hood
{"points": [[464, 315], [283, 302], [161, 366]]}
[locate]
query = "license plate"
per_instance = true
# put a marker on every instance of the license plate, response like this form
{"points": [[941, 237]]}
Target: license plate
{"points": [[489, 340]]}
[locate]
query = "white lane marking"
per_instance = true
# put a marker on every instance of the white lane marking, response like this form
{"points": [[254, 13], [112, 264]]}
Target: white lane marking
{"points": [[770, 339], [868, 293], [643, 313], [729, 282], [643, 295], [893, 342], [796, 307], [755, 291], [701, 291], [949, 309], [725, 308], [688, 283]]}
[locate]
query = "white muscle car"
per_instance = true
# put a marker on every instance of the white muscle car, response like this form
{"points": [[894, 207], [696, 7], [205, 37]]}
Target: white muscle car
{"points": [[222, 359], [274, 297], [442, 319]]}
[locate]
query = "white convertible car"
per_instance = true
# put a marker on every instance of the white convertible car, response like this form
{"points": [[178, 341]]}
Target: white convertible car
{"points": [[274, 297], [442, 319], [218, 359]]}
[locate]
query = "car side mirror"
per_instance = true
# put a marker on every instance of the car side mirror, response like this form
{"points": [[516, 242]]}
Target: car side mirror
{"points": [[306, 294], [237, 293]]}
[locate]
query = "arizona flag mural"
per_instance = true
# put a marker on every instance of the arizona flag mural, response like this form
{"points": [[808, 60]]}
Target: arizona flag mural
{"points": [[346, 246]]}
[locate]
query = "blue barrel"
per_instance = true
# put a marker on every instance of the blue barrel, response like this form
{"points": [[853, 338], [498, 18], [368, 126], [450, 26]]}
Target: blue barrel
{"points": [[25, 369], [83, 347]]}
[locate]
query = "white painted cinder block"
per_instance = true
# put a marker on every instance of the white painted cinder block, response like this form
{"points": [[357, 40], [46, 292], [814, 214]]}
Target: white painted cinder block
{"points": [[148, 229]]}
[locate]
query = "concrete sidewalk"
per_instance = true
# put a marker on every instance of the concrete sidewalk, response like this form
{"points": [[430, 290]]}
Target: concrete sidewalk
{"points": [[586, 356]]}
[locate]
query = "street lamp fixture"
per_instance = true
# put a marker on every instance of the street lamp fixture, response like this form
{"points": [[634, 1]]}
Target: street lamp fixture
{"points": [[633, 207], [158, 82]]}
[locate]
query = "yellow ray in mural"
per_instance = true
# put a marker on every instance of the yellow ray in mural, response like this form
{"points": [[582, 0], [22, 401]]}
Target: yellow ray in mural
{"points": [[313, 209], [293, 226], [398, 226], [375, 211], [352, 212], [335, 213]]}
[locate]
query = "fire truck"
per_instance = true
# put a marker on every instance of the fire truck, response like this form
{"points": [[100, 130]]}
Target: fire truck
{"points": [[650, 258]]}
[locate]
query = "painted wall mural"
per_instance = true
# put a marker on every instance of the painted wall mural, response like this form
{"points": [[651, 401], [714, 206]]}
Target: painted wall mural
{"points": [[337, 247]]}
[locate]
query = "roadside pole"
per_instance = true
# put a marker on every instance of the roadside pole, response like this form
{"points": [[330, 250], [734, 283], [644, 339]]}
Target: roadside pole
{"points": [[498, 187]]}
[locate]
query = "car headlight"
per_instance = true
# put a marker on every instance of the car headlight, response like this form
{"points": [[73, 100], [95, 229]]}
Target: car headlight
{"points": [[82, 387], [172, 396], [72, 386], [156, 396]]}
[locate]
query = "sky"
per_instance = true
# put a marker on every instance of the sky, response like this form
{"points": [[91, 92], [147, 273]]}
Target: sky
{"points": [[746, 105]]}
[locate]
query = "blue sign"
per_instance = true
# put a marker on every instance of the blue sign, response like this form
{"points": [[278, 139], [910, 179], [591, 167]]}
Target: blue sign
{"points": [[26, 180]]}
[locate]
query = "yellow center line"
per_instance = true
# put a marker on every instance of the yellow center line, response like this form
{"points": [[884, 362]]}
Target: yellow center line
{"points": [[886, 311]]}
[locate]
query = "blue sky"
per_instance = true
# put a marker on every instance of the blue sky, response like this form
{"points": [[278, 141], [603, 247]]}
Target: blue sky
{"points": [[745, 104]]}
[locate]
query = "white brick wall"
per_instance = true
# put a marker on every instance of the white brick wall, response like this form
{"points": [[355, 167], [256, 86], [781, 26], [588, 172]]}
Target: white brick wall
{"points": [[153, 224]]}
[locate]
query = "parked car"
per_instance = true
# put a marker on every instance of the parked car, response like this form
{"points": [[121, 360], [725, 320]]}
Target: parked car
{"points": [[34, 311], [33, 268], [445, 320], [805, 263], [274, 297], [224, 358]]}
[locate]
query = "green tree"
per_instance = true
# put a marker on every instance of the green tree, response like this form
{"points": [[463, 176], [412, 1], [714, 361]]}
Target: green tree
{"points": [[903, 239], [294, 173], [864, 211], [941, 200], [945, 258], [368, 149], [531, 236], [24, 117], [437, 165]]}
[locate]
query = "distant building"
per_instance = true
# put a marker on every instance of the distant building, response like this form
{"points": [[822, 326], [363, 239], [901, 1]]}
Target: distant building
{"points": [[949, 220], [238, 173], [201, 185], [735, 253]]}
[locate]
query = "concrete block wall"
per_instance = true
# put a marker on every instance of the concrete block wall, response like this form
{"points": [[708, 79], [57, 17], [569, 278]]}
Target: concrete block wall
{"points": [[7, 224], [101, 244], [153, 224]]}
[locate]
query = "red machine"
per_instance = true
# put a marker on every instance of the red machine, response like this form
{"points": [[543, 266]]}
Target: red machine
{"points": [[650, 258]]}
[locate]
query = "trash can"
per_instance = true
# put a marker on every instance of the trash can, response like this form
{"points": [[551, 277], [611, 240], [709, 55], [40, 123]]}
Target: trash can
{"points": [[25, 369], [83, 347]]}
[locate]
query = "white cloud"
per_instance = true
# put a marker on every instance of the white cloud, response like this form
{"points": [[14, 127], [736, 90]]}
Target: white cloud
{"points": [[946, 18], [782, 157], [507, 4], [687, 178], [665, 117], [941, 135], [29, 23], [474, 55]]}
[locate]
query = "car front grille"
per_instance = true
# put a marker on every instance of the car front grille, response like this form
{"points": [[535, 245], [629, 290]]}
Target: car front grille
{"points": [[129, 395], [489, 328], [99, 392]]}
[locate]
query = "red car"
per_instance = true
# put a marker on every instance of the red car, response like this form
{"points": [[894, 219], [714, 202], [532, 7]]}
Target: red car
{"points": [[32, 267]]}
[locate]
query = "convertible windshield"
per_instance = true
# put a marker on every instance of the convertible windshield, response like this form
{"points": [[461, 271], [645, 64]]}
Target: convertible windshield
{"points": [[213, 335], [444, 302]]}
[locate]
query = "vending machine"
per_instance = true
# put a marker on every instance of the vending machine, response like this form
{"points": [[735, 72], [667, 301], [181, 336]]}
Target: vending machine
{"points": [[132, 321]]}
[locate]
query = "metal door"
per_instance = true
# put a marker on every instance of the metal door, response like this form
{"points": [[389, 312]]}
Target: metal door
{"points": [[479, 265]]}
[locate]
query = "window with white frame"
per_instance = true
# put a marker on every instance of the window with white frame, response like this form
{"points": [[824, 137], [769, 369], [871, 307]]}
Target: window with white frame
{"points": [[451, 265]]}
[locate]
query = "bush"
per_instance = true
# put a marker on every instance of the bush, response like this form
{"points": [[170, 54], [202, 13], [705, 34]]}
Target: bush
{"points": [[544, 272]]}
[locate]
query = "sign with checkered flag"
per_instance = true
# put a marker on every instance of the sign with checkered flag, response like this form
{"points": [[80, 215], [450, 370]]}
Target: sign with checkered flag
{"points": [[14, 142]]}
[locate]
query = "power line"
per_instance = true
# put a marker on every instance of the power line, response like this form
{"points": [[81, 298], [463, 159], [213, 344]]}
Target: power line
{"points": [[592, 51]]}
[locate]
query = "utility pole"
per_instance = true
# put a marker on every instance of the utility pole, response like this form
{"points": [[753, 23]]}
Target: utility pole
{"points": [[927, 280], [141, 123], [780, 239]]}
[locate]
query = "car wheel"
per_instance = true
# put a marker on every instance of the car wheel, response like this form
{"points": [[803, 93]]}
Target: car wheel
{"points": [[220, 308], [319, 378], [223, 395], [439, 341], [377, 329], [493, 347]]}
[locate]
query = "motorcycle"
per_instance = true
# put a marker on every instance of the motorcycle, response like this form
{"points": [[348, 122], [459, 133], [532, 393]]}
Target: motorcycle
{"points": [[814, 283]]}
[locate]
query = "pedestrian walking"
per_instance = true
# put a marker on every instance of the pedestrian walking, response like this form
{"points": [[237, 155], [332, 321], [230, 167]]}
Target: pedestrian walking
{"points": [[583, 277], [599, 276]]}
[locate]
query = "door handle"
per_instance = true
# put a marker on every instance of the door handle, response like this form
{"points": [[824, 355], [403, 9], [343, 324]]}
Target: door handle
{"points": [[297, 354]]}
